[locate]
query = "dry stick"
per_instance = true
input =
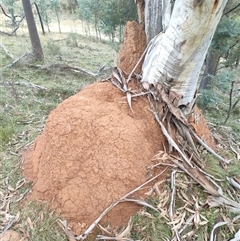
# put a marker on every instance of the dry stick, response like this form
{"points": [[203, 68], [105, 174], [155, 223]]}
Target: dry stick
{"points": [[172, 203], [143, 54], [24, 83], [6, 50], [208, 148], [237, 154], [122, 199], [18, 25], [212, 236], [66, 66], [10, 224], [230, 103], [189, 220], [16, 60], [202, 180], [170, 140], [102, 237], [190, 170]]}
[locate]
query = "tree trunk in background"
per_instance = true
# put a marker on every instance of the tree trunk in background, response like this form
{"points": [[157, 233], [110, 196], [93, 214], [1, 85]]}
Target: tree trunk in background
{"points": [[212, 61], [153, 17], [36, 44], [176, 56], [140, 11]]}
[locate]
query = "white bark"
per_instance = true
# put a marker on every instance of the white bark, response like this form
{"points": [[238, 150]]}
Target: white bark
{"points": [[166, 13], [176, 57]]}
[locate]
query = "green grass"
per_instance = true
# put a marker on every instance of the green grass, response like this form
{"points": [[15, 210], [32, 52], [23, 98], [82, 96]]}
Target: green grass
{"points": [[39, 223], [214, 102], [150, 227], [24, 109]]}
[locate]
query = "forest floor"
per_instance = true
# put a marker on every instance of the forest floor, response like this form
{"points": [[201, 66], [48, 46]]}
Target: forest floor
{"points": [[30, 91]]}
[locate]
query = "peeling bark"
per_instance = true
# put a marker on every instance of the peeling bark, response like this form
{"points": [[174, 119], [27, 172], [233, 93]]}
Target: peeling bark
{"points": [[175, 57]]}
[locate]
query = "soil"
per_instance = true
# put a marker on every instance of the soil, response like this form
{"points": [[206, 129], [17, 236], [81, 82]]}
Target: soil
{"points": [[133, 45], [93, 151]]}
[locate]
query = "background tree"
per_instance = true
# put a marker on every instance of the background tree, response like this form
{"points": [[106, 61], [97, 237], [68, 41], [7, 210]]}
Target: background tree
{"points": [[11, 7], [107, 16], [176, 56], [36, 44], [115, 15], [225, 44], [54, 5], [44, 9]]}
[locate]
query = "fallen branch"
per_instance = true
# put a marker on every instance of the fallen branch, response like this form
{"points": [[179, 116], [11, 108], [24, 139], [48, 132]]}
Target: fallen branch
{"points": [[219, 224], [16, 60], [6, 50], [172, 203], [63, 67], [24, 83], [201, 142], [15, 29], [109, 208], [18, 25]]}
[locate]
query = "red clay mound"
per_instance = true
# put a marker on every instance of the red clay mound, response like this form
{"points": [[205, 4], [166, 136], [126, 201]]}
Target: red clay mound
{"points": [[93, 151], [133, 45]]}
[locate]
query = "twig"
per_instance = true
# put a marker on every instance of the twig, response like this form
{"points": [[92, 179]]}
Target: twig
{"points": [[5, 12], [230, 103], [208, 148], [8, 34], [213, 236], [232, 9], [102, 237], [189, 220], [66, 66], [18, 25], [24, 83], [16, 60], [172, 203], [170, 140], [6, 50], [233, 183], [122, 199], [9, 225]]}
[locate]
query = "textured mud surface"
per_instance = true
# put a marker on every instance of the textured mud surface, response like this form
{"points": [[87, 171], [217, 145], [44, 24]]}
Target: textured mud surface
{"points": [[132, 47], [92, 151]]}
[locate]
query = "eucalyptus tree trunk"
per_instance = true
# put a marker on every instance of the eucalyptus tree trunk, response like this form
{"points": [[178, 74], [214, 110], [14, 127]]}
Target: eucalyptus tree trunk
{"points": [[212, 61], [175, 56], [36, 44]]}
